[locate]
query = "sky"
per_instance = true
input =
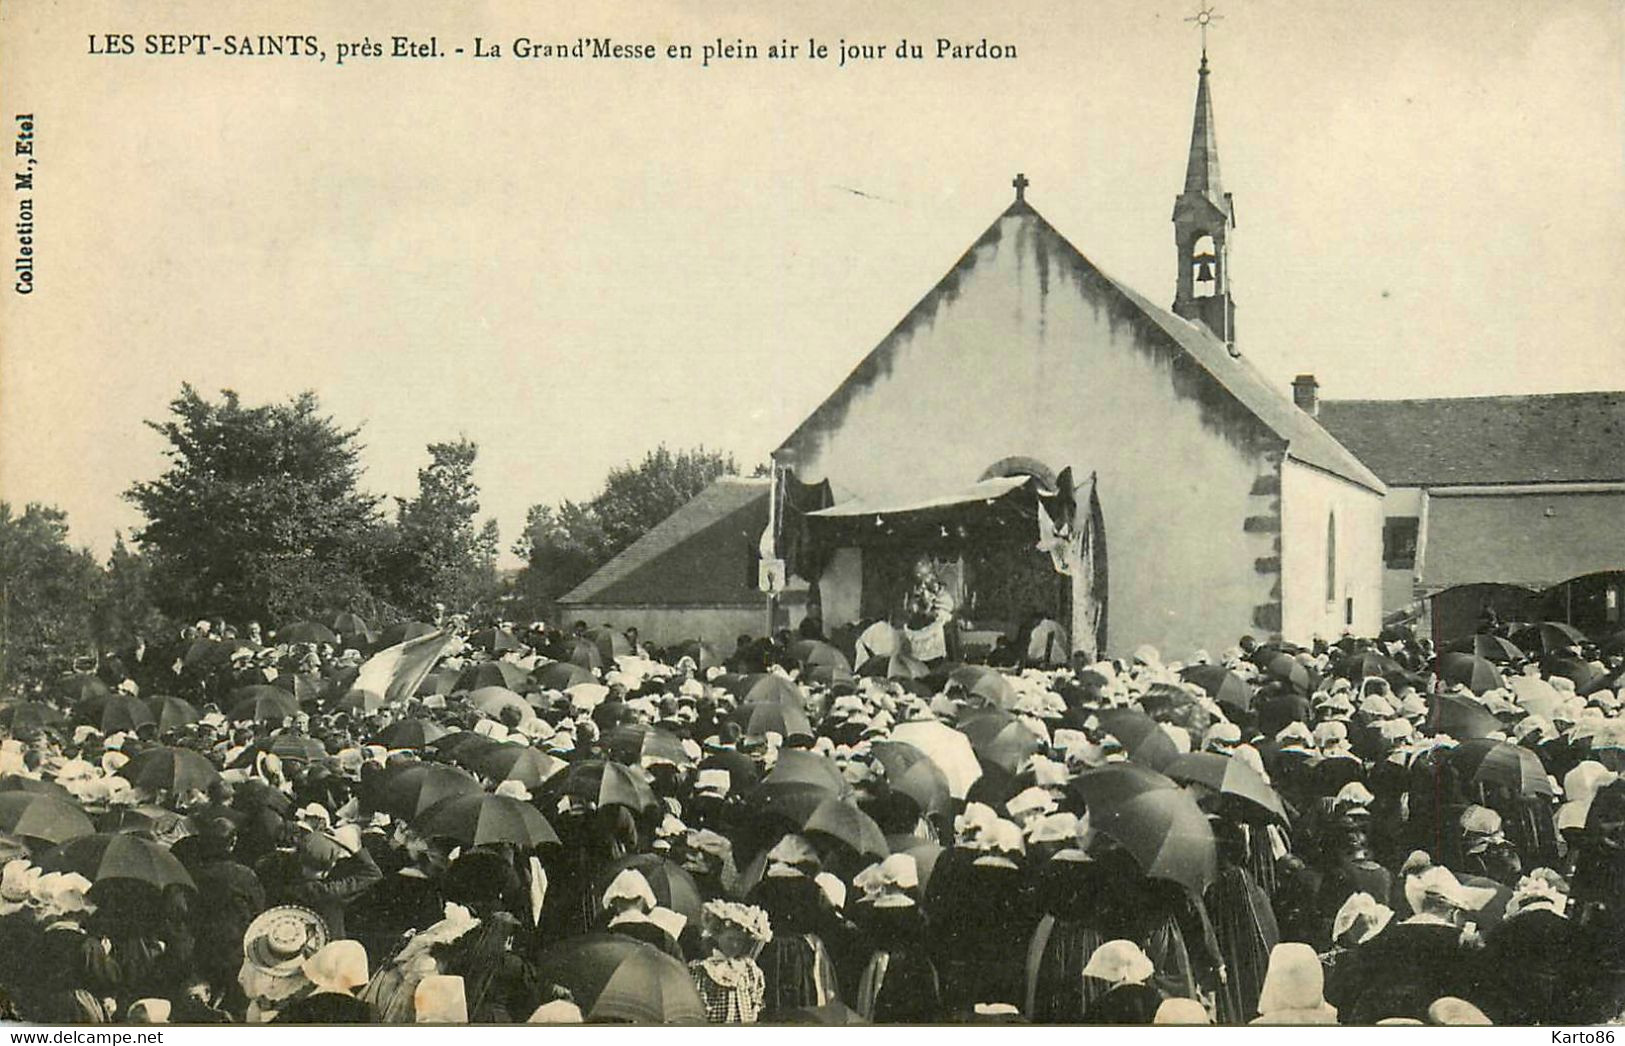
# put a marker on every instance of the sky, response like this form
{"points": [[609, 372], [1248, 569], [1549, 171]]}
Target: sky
{"points": [[571, 262]]}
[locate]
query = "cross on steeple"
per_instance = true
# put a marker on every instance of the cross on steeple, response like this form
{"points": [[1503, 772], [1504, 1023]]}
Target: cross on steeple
{"points": [[1204, 18], [1021, 184]]}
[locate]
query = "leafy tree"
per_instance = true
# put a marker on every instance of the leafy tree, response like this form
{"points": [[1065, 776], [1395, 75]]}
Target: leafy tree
{"points": [[259, 512], [127, 606], [442, 555], [561, 546], [48, 593]]}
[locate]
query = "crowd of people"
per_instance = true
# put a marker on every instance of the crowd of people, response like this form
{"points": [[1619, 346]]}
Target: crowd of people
{"points": [[561, 825]]}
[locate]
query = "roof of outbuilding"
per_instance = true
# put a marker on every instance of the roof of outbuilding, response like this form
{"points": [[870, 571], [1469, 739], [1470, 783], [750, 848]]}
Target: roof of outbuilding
{"points": [[1563, 437], [734, 506]]}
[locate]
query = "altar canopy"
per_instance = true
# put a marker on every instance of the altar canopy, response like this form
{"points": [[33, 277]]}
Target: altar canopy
{"points": [[998, 516]]}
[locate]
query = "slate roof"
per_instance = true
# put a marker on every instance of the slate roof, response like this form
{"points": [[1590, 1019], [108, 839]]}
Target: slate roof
{"points": [[717, 532], [1564, 437], [1305, 439]]}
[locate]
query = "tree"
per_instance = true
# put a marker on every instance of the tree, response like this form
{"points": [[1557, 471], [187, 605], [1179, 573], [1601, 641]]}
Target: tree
{"points": [[561, 546], [126, 606], [442, 556], [48, 593], [259, 512]]}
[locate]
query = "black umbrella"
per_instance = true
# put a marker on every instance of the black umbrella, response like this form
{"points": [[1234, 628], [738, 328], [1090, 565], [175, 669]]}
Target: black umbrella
{"points": [[1488, 647], [1221, 684], [306, 632]]}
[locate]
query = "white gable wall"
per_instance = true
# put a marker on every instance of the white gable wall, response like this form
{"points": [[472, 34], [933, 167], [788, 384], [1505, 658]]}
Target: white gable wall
{"points": [[1026, 355], [1309, 497]]}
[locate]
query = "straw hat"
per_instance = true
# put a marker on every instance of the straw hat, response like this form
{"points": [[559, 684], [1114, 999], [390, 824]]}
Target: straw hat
{"points": [[280, 939]]}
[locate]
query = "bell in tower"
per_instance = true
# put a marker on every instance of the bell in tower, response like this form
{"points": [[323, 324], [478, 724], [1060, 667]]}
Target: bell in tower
{"points": [[1203, 217]]}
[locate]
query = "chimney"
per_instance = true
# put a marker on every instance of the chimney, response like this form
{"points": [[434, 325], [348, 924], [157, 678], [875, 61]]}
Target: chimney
{"points": [[1306, 394]]}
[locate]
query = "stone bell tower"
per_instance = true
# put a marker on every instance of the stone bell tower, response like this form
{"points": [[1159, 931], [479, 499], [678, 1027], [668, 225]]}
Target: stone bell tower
{"points": [[1203, 218]]}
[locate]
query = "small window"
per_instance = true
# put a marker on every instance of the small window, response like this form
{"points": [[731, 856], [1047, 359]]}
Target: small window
{"points": [[1331, 559], [1399, 542]]}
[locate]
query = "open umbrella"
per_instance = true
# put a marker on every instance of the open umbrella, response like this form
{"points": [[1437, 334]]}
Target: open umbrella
{"points": [[1287, 669], [1461, 717], [411, 733], [463, 747], [354, 626], [407, 790], [1000, 739], [1488, 647], [110, 856], [829, 675], [494, 640], [812, 652], [1474, 672], [765, 717], [33, 786], [494, 700], [909, 772], [605, 783], [894, 666], [764, 687], [205, 654], [514, 762], [480, 820], [562, 675], [839, 818], [1548, 637], [585, 654], [1227, 776], [493, 673], [1145, 742], [1578, 672], [1368, 664], [705, 655], [1222, 685], [177, 770], [1483, 761], [1158, 823], [638, 744], [797, 765], [441, 681], [80, 687], [610, 643], [171, 713], [944, 746], [1614, 644], [673, 887], [798, 783], [116, 713], [306, 632], [43, 817], [987, 683], [615, 979], [26, 718], [264, 704]]}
